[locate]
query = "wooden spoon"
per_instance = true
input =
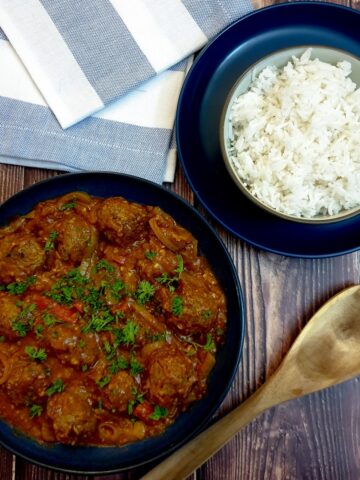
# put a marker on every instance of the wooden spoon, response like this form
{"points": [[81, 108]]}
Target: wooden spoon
{"points": [[326, 352]]}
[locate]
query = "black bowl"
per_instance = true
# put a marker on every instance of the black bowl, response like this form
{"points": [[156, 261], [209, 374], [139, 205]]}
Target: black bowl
{"points": [[112, 459]]}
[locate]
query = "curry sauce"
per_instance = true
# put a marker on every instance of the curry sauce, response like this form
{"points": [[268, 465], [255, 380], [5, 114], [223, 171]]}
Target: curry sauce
{"points": [[109, 321]]}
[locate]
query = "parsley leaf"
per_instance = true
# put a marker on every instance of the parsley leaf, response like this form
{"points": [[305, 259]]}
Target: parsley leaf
{"points": [[49, 319], [24, 321], [50, 242], [57, 387], [20, 328], [36, 353], [39, 331], [35, 411], [104, 265], [103, 381], [180, 266], [67, 206], [117, 365], [70, 287], [138, 398], [99, 322], [144, 292], [177, 306], [172, 281], [210, 344], [168, 281], [158, 413], [115, 289], [18, 288], [126, 335], [150, 255], [135, 367]]}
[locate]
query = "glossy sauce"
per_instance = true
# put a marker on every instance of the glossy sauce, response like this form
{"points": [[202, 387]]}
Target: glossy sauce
{"points": [[109, 321]]}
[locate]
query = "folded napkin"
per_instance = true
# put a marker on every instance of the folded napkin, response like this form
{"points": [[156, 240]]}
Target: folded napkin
{"points": [[93, 85]]}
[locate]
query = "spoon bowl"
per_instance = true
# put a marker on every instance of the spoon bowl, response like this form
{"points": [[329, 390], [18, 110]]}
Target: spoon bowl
{"points": [[326, 352]]}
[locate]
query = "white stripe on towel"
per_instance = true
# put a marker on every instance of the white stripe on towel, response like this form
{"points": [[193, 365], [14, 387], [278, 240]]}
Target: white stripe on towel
{"points": [[164, 29], [63, 84], [151, 105]]}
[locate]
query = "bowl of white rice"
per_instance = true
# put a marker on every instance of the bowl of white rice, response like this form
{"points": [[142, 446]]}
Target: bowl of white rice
{"points": [[290, 134]]}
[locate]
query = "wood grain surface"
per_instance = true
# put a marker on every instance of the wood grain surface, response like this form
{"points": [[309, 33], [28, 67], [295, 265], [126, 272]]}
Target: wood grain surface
{"points": [[316, 437]]}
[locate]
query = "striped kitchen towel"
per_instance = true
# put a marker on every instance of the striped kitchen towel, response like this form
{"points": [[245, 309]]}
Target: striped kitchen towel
{"points": [[93, 84]]}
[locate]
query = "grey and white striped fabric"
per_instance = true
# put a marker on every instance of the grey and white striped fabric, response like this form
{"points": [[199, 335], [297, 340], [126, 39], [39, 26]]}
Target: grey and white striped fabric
{"points": [[93, 85]]}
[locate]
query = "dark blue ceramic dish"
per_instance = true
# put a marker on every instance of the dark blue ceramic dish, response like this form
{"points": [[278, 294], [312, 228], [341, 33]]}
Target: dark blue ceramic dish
{"points": [[199, 114], [112, 459]]}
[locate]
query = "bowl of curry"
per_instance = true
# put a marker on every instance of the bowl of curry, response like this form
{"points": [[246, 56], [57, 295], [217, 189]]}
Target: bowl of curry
{"points": [[121, 322]]}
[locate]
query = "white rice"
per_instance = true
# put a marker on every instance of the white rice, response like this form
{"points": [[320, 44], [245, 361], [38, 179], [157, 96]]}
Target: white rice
{"points": [[297, 137]]}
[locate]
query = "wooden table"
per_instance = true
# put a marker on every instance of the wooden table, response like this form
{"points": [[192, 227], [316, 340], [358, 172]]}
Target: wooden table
{"points": [[316, 437]]}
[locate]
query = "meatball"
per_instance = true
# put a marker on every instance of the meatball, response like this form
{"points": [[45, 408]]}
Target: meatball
{"points": [[203, 304], [120, 221], [8, 314], [71, 346], [77, 239], [171, 376], [119, 392], [27, 381], [20, 256], [163, 261], [71, 414]]}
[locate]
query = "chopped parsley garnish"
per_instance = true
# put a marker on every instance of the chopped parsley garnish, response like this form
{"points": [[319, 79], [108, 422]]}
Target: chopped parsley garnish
{"points": [[20, 328], [135, 367], [171, 282], [107, 347], [84, 368], [206, 314], [126, 335], [103, 381], [35, 411], [117, 365], [177, 306], [150, 255], [49, 319], [50, 242], [68, 206], [24, 320], [70, 287], [57, 387], [27, 311], [2, 339], [36, 353], [104, 265], [99, 322], [39, 330], [158, 337], [180, 266], [129, 332], [115, 289], [210, 344], [138, 398], [144, 292], [18, 288], [100, 405], [158, 413]]}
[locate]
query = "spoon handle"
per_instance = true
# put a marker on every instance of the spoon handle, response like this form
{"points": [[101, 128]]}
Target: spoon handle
{"points": [[185, 460]]}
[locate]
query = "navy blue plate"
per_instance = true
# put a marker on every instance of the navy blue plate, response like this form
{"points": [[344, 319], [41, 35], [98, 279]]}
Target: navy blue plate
{"points": [[198, 121], [112, 459]]}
